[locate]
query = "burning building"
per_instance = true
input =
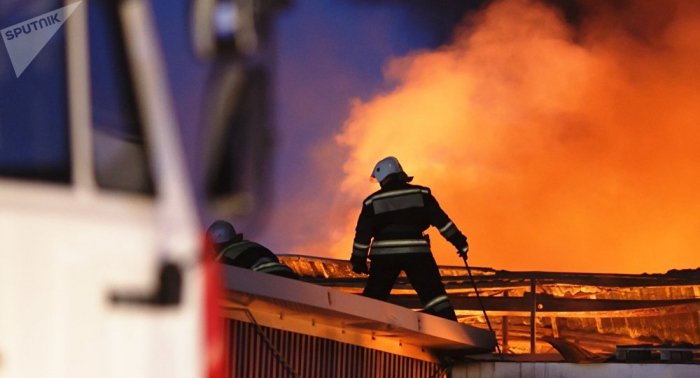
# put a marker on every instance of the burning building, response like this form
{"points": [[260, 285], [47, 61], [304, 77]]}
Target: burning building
{"points": [[575, 324], [595, 311]]}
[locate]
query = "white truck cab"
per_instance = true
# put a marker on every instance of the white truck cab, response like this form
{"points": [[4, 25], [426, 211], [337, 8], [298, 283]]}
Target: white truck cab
{"points": [[101, 247]]}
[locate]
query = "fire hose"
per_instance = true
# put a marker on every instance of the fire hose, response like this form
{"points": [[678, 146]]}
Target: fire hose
{"points": [[478, 298]]}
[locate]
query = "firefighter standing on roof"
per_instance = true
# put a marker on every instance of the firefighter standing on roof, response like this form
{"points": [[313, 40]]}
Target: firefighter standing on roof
{"points": [[390, 231]]}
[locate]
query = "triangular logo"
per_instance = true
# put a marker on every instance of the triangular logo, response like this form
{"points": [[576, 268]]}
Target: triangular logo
{"points": [[26, 39]]}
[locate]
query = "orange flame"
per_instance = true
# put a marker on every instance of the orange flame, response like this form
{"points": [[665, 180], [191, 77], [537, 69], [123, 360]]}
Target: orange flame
{"points": [[551, 148]]}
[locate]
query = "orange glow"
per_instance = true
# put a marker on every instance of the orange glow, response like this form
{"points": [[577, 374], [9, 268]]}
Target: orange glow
{"points": [[552, 148]]}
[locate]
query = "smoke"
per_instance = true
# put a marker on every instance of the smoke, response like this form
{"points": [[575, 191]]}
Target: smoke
{"points": [[552, 146]]}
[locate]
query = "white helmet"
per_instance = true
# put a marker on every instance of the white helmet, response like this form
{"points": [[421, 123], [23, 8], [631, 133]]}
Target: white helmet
{"points": [[385, 167]]}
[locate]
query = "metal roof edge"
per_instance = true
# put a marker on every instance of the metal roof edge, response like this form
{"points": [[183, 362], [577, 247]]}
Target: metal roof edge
{"points": [[315, 310]]}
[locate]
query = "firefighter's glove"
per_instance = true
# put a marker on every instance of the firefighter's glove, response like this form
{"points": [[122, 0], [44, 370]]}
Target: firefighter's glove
{"points": [[359, 264], [463, 250]]}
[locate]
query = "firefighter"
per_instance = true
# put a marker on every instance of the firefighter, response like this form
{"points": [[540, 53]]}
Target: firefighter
{"points": [[232, 249], [390, 230]]}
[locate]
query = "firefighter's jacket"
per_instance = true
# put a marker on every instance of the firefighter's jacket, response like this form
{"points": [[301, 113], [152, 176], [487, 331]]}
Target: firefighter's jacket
{"points": [[394, 218], [250, 255]]}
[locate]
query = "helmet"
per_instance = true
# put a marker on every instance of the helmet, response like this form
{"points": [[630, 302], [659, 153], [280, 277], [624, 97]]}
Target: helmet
{"points": [[221, 232], [385, 167]]}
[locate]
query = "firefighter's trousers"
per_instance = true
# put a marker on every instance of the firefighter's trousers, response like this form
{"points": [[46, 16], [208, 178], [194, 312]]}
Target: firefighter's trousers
{"points": [[423, 274]]}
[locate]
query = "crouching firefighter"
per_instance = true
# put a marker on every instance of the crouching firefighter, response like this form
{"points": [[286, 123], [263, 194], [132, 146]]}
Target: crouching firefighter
{"points": [[232, 249], [390, 231]]}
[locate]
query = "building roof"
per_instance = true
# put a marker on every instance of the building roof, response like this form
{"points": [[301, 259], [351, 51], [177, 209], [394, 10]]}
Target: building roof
{"points": [[315, 310], [595, 310]]}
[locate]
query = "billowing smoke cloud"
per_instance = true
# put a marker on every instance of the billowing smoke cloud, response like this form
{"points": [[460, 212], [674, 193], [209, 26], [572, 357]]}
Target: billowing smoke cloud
{"points": [[552, 147]]}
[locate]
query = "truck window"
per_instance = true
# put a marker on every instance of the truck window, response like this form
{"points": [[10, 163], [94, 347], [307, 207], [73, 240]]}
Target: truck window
{"points": [[121, 156], [34, 125]]}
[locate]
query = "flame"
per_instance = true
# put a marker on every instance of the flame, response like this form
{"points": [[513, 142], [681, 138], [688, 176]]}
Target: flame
{"points": [[552, 147]]}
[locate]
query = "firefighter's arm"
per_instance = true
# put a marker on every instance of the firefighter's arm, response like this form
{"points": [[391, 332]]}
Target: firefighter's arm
{"points": [[361, 243], [448, 229]]}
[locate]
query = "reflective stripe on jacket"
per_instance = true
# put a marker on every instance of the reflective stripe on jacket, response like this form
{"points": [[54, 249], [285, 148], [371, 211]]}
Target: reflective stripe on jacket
{"points": [[234, 251], [390, 247]]}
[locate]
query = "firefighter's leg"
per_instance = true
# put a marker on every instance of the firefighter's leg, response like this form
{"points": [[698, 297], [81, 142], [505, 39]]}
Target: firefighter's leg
{"points": [[423, 273], [382, 275]]}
